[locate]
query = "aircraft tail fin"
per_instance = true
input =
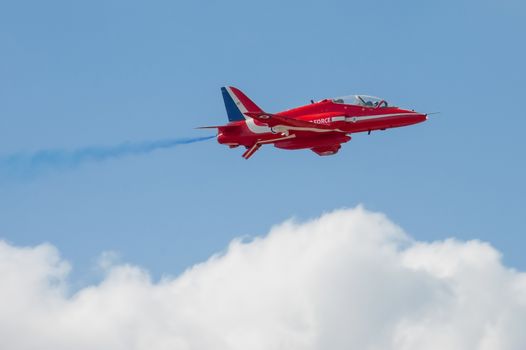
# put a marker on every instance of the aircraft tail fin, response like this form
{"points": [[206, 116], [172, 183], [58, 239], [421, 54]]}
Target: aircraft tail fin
{"points": [[237, 103]]}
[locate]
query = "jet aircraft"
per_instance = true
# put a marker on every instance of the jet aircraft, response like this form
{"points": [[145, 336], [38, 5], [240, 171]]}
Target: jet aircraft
{"points": [[320, 126]]}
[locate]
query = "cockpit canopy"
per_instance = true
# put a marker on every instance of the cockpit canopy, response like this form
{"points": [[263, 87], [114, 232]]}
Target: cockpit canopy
{"points": [[361, 100]]}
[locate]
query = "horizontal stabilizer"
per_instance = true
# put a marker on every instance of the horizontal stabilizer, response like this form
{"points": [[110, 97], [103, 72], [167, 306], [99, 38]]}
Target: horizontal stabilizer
{"points": [[250, 151], [212, 127]]}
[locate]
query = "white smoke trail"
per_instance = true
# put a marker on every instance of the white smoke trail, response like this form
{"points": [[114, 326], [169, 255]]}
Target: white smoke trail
{"points": [[24, 165]]}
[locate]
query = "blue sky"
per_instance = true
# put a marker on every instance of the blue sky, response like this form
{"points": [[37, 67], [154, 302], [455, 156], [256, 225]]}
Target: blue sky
{"points": [[75, 74]]}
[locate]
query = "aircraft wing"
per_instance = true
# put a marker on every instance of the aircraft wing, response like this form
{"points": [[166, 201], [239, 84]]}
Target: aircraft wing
{"points": [[273, 120]]}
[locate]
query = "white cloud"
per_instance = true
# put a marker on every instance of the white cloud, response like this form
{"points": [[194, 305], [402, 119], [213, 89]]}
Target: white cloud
{"points": [[350, 279]]}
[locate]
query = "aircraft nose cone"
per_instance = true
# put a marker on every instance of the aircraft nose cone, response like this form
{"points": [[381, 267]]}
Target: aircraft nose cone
{"points": [[421, 117]]}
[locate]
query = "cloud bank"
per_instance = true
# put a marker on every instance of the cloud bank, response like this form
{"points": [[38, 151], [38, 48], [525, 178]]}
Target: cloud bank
{"points": [[350, 279]]}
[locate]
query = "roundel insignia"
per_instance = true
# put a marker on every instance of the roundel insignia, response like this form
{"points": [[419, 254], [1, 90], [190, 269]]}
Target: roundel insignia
{"points": [[354, 119], [264, 116]]}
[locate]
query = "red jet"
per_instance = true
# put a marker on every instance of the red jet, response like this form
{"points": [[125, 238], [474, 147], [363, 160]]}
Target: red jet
{"points": [[320, 126]]}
